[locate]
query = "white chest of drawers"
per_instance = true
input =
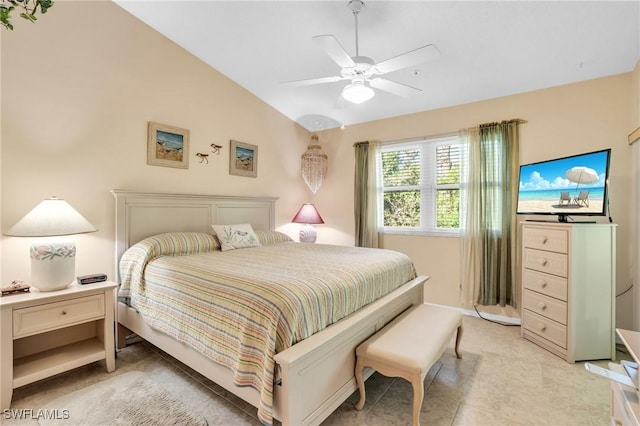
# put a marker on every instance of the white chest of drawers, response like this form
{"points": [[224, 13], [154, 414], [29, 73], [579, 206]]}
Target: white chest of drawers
{"points": [[46, 333], [568, 288]]}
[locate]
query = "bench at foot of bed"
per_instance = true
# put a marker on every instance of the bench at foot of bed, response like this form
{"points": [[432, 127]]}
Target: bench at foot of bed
{"points": [[408, 347]]}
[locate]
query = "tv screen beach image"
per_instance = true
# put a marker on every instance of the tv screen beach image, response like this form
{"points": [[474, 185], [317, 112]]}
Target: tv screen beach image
{"points": [[572, 185]]}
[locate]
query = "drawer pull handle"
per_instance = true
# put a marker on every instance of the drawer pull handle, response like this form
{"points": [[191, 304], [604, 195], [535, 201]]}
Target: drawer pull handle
{"points": [[542, 327], [544, 239], [64, 312], [542, 305], [543, 262], [542, 283]]}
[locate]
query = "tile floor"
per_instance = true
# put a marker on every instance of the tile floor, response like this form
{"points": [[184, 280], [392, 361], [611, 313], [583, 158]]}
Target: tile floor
{"points": [[501, 379]]}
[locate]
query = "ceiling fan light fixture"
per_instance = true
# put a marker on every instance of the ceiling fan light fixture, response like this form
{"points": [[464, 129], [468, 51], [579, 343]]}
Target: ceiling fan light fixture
{"points": [[357, 92]]}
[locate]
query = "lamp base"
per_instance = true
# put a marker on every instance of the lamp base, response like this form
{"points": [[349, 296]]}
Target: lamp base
{"points": [[308, 234], [53, 265]]}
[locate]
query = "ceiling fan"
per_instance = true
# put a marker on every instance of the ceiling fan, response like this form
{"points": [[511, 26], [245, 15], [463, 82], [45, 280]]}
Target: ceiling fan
{"points": [[362, 71]]}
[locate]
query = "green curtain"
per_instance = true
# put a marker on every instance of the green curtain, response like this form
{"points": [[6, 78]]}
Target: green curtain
{"points": [[489, 227], [365, 196]]}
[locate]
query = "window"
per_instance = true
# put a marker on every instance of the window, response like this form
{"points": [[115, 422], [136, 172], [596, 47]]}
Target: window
{"points": [[419, 186]]}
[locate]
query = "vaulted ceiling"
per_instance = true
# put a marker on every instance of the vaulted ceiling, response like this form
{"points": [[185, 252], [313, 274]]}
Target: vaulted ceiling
{"points": [[486, 49]]}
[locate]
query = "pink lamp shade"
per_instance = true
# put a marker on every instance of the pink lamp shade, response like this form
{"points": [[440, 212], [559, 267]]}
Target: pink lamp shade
{"points": [[307, 215]]}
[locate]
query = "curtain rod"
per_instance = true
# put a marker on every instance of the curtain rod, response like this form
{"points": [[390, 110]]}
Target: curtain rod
{"points": [[419, 138], [439, 135], [517, 120]]}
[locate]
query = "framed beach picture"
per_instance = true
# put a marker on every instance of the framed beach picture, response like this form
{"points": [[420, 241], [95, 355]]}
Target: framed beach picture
{"points": [[243, 159], [167, 146]]}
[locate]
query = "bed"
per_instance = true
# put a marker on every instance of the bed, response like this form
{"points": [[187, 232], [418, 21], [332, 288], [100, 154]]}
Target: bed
{"points": [[313, 376]]}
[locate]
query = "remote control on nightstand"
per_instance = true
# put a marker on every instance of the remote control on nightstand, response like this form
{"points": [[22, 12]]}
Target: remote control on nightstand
{"points": [[93, 278]]}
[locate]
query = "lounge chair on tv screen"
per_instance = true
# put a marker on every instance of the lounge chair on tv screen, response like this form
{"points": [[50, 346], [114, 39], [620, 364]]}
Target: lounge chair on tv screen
{"points": [[582, 199], [565, 198]]}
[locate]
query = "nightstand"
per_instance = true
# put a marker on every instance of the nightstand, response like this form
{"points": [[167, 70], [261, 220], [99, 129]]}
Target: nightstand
{"points": [[46, 333]]}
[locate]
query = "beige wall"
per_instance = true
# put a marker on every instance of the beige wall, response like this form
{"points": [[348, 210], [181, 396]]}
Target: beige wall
{"points": [[562, 121], [2, 282], [635, 97], [78, 89], [635, 148]]}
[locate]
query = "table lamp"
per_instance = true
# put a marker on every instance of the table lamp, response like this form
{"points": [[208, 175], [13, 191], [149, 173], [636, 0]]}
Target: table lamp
{"points": [[307, 215], [52, 260]]}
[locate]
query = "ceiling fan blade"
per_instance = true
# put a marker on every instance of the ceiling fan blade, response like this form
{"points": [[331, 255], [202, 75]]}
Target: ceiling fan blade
{"points": [[393, 87], [334, 49], [409, 59], [312, 81]]}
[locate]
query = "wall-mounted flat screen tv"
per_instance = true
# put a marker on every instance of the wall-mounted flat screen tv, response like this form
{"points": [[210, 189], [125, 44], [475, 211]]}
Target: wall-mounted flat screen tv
{"points": [[568, 186]]}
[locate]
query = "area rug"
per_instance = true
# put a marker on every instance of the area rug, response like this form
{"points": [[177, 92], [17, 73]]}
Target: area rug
{"points": [[130, 398]]}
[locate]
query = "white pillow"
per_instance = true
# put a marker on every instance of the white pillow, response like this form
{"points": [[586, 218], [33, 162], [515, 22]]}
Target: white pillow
{"points": [[233, 237]]}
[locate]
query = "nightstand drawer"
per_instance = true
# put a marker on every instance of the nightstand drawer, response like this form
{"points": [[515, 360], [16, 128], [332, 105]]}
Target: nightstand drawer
{"points": [[546, 261], [555, 240], [37, 319]]}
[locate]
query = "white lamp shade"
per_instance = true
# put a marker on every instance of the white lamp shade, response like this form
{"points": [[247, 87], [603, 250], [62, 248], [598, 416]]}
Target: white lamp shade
{"points": [[357, 92], [50, 218]]}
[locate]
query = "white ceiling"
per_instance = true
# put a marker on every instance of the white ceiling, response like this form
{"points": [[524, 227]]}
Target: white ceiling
{"points": [[488, 49]]}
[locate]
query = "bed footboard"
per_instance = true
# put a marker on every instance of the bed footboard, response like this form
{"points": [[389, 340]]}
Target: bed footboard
{"points": [[318, 374]]}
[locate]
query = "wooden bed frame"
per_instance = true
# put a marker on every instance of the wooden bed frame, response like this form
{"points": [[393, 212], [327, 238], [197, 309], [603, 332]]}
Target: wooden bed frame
{"points": [[318, 374]]}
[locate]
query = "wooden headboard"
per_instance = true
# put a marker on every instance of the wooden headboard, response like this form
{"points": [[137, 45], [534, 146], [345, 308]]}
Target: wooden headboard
{"points": [[142, 214]]}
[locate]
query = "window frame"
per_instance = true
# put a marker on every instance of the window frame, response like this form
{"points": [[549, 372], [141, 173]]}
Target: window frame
{"points": [[427, 187]]}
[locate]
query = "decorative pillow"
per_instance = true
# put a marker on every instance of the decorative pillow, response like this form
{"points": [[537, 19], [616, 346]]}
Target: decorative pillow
{"points": [[233, 237], [268, 238]]}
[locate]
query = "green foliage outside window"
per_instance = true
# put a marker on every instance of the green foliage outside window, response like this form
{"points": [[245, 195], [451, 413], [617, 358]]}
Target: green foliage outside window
{"points": [[403, 189], [448, 200], [402, 209], [401, 206], [401, 168]]}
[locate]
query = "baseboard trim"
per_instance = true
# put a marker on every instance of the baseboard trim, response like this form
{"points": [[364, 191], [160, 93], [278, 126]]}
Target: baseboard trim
{"points": [[493, 317], [473, 313]]}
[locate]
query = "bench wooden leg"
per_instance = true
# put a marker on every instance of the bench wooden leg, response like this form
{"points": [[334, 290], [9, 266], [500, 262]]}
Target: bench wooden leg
{"points": [[458, 337], [417, 382], [360, 381]]}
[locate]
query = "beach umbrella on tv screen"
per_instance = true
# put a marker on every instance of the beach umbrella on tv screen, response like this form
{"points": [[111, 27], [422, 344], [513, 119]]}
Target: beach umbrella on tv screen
{"points": [[581, 174]]}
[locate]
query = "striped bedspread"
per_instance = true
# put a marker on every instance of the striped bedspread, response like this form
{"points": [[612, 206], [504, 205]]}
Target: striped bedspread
{"points": [[241, 307]]}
